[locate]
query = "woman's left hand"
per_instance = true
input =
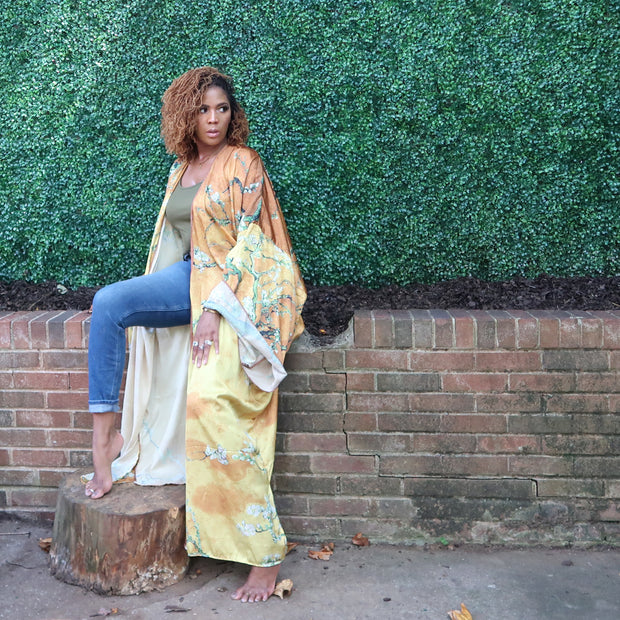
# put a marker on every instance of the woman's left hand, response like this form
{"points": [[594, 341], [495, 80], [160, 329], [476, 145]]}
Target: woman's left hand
{"points": [[205, 337]]}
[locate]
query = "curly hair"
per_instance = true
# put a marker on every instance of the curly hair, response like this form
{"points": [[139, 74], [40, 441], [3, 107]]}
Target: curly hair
{"points": [[181, 103]]}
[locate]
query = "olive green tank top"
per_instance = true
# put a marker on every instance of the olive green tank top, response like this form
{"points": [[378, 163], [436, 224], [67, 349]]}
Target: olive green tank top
{"points": [[178, 212]]}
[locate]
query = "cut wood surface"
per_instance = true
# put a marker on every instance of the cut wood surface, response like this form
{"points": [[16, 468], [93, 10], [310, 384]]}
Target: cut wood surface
{"points": [[130, 541]]}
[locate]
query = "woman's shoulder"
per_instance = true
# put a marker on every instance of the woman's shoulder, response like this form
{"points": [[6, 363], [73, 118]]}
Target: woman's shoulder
{"points": [[244, 155]]}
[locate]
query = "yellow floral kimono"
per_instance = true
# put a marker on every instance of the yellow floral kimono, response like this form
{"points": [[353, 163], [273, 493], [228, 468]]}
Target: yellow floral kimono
{"points": [[243, 267]]}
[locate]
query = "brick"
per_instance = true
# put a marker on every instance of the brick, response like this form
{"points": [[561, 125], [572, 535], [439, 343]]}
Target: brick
{"points": [[379, 443], [64, 359], [39, 458], [548, 382], [74, 333], [327, 382], [581, 444], [336, 506], [408, 422], [611, 513], [570, 334], [56, 329], [614, 360], [6, 380], [370, 485], [475, 382], [575, 360], [394, 507], [472, 465], [445, 361], [540, 424], [22, 437], [549, 332], [360, 401], [40, 380], [67, 400], [19, 359], [444, 330], [570, 488], [449, 508], [300, 421], [467, 487], [612, 488], [69, 438], [473, 423], [315, 442], [500, 403], [333, 360], [7, 418], [291, 504], [304, 361], [485, 330], [596, 424], [506, 329], [597, 466], [308, 527], [422, 329], [343, 464], [611, 333], [295, 382], [508, 444], [20, 328], [22, 399], [591, 333], [292, 464], [80, 458], [540, 465], [408, 382], [43, 418], [444, 443], [379, 530], [5, 458], [52, 477], [403, 329], [464, 329], [360, 382], [360, 421], [598, 382], [383, 329], [38, 329], [576, 403], [410, 465], [82, 419], [11, 476], [5, 330], [370, 359], [502, 361], [362, 329], [78, 381], [460, 403], [312, 402], [33, 497], [527, 332], [300, 483]]}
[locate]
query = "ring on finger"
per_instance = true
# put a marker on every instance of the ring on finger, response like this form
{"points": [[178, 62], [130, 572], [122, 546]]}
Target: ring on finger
{"points": [[201, 346], [209, 342], [195, 343]]}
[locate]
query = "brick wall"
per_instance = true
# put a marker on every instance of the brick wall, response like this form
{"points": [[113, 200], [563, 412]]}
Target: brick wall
{"points": [[488, 427]]}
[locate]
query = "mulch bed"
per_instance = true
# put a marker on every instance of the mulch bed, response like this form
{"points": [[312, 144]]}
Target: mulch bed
{"points": [[329, 308]]}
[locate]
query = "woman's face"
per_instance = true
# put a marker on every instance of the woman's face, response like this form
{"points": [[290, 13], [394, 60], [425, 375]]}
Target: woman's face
{"points": [[213, 118]]}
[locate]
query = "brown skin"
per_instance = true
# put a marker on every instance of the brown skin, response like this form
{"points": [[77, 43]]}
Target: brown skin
{"points": [[210, 136]]}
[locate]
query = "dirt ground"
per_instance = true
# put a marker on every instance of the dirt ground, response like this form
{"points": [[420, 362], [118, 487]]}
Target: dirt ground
{"points": [[329, 308]]}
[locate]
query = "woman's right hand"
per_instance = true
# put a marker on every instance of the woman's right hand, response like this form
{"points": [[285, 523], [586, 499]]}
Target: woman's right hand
{"points": [[206, 336]]}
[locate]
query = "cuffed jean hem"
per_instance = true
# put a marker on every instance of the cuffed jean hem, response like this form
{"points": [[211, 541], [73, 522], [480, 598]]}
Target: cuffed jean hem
{"points": [[103, 407]]}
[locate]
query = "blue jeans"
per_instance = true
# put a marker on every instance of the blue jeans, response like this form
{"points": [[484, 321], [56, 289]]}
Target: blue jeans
{"points": [[159, 299]]}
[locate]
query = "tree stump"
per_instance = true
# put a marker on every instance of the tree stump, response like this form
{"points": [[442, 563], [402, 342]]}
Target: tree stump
{"points": [[129, 541]]}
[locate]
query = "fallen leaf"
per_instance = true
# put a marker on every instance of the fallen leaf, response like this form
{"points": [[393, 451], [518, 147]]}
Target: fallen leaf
{"points": [[360, 540], [328, 546], [320, 555], [45, 544], [290, 546], [460, 615], [283, 589]]}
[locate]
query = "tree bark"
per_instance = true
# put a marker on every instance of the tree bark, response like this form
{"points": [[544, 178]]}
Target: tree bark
{"points": [[129, 541]]}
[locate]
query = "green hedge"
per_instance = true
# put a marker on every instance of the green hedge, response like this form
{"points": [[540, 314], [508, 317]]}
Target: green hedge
{"points": [[407, 140]]}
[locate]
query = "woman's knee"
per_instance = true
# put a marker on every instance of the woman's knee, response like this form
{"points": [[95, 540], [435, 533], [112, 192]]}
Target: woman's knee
{"points": [[108, 300]]}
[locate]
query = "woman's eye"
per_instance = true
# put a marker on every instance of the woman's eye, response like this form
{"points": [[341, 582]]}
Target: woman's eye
{"points": [[223, 108]]}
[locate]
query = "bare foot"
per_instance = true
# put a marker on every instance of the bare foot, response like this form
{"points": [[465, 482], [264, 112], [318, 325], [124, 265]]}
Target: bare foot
{"points": [[259, 585], [106, 447]]}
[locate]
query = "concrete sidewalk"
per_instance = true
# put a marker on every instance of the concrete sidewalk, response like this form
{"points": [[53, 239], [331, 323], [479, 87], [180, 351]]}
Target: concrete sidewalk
{"points": [[357, 583]]}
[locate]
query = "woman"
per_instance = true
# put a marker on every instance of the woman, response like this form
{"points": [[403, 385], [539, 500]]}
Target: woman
{"points": [[221, 260]]}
